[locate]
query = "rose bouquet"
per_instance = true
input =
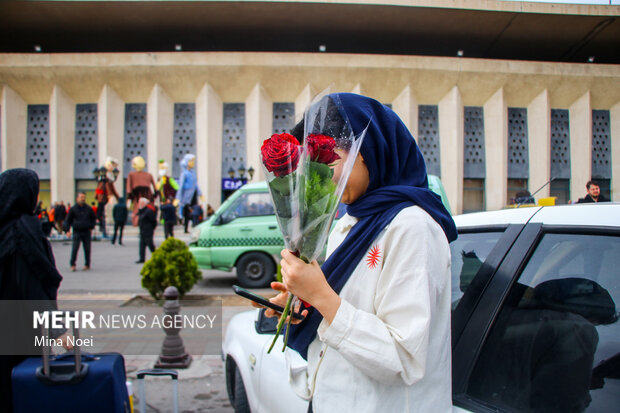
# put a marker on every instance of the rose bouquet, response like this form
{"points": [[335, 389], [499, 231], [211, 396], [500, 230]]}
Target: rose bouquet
{"points": [[306, 181]]}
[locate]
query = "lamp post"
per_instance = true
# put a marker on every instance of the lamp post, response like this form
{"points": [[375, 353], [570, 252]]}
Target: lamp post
{"points": [[99, 173], [241, 171], [231, 172], [251, 172]]}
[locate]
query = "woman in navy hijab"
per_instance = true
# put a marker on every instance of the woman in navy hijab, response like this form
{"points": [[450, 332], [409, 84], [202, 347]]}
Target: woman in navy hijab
{"points": [[377, 334]]}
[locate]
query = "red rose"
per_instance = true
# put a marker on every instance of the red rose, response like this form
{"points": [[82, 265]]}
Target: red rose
{"points": [[321, 149], [280, 154]]}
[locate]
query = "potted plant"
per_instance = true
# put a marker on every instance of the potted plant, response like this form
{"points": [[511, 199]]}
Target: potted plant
{"points": [[170, 265]]}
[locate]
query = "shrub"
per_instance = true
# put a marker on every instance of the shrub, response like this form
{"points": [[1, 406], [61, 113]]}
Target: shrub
{"points": [[170, 265]]}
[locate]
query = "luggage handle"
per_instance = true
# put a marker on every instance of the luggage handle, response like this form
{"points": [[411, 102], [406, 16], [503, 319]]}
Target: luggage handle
{"points": [[61, 374], [159, 372]]}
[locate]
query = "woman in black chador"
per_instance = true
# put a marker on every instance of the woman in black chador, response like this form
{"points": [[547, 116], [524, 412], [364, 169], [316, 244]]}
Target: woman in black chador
{"points": [[27, 267]]}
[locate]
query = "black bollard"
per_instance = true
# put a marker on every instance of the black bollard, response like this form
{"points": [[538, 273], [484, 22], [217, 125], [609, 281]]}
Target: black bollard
{"points": [[172, 355]]}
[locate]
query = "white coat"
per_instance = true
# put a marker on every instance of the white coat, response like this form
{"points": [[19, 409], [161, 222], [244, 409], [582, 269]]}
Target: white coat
{"points": [[388, 348]]}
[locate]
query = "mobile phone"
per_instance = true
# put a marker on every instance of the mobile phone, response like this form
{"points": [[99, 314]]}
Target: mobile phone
{"points": [[262, 301]]}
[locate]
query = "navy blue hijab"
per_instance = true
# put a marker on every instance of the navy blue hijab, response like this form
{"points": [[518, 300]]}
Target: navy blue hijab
{"points": [[397, 180]]}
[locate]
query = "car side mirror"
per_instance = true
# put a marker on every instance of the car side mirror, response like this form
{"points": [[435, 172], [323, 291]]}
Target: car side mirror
{"points": [[264, 324]]}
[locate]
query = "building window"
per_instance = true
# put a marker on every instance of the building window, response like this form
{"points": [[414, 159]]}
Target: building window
{"points": [[605, 185], [515, 186], [560, 189], [45, 193], [473, 195]]}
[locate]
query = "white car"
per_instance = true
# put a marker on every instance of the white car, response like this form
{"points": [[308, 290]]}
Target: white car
{"points": [[534, 324]]}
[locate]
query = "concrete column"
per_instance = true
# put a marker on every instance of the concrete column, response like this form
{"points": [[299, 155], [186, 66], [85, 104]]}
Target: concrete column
{"points": [[406, 107], [209, 124], [14, 130], [539, 142], [159, 124], [258, 126], [580, 124], [62, 144], [614, 119], [496, 149], [303, 100], [111, 129], [451, 131]]}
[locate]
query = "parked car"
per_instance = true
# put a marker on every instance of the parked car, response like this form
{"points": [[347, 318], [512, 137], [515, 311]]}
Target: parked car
{"points": [[244, 234], [534, 325]]}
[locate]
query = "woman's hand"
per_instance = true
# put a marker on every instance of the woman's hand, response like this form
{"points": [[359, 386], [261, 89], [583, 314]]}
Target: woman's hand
{"points": [[308, 282], [280, 300], [65, 341]]}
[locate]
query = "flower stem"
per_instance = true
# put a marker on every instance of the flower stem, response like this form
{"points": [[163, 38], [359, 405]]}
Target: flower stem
{"points": [[288, 326], [287, 308]]}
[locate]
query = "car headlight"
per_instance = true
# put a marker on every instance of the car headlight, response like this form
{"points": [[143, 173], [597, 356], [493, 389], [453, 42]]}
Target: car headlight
{"points": [[194, 236]]}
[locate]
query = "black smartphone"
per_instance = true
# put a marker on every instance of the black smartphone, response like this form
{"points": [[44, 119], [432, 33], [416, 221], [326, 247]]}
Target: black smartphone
{"points": [[262, 301]]}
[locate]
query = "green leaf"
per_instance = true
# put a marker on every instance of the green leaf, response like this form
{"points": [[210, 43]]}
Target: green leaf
{"points": [[322, 169], [283, 184]]}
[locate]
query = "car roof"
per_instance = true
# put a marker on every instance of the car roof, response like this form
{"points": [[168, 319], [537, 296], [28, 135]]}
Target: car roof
{"points": [[591, 215], [493, 218], [256, 185], [607, 214]]}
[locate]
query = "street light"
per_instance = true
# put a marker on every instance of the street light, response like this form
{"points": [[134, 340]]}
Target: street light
{"points": [[115, 172], [99, 173], [251, 172], [241, 171], [231, 173]]}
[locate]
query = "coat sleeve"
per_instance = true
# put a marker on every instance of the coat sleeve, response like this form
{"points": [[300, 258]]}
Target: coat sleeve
{"points": [[174, 184], [391, 343], [68, 221], [129, 186], [182, 180]]}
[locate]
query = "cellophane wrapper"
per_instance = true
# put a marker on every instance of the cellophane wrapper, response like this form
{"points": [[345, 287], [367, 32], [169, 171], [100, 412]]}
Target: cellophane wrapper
{"points": [[322, 181]]}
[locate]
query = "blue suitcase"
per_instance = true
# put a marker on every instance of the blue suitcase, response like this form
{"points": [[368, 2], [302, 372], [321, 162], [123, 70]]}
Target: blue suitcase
{"points": [[71, 383]]}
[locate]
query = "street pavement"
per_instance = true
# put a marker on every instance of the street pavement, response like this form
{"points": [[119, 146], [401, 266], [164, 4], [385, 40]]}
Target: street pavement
{"points": [[114, 275]]}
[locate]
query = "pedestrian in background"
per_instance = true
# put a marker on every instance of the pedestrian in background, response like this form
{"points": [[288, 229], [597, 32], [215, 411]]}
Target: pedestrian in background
{"points": [[52, 215], [593, 195], [60, 213], [210, 210], [196, 215], [119, 214], [169, 216], [147, 222], [46, 225], [81, 218]]}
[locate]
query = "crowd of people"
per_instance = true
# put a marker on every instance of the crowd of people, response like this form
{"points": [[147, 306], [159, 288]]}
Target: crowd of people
{"points": [[78, 222]]}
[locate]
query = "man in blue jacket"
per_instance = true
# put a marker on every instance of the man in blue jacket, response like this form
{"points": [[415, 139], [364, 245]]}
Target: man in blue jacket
{"points": [[82, 220], [147, 222], [119, 213], [169, 216]]}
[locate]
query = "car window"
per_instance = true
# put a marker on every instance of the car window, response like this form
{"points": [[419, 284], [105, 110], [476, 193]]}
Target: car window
{"points": [[468, 252], [249, 205], [555, 345]]}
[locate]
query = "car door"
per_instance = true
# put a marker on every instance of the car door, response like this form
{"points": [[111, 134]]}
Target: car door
{"points": [[544, 335]]}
